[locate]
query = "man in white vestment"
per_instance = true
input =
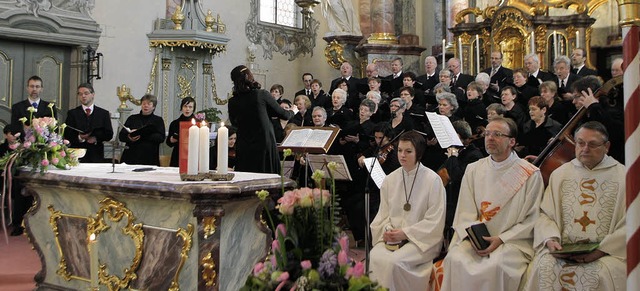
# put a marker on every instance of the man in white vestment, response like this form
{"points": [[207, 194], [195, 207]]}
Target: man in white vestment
{"points": [[503, 192], [584, 203], [407, 231]]}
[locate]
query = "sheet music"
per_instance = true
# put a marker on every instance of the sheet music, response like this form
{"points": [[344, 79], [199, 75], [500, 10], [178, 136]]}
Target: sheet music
{"points": [[317, 162], [377, 175], [444, 131], [297, 138], [318, 138]]}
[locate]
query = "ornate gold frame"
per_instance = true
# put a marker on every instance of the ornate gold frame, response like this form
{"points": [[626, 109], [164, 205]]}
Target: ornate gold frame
{"points": [[333, 52], [62, 265]]}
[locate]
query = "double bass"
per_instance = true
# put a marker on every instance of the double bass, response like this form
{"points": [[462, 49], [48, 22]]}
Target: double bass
{"points": [[561, 148]]}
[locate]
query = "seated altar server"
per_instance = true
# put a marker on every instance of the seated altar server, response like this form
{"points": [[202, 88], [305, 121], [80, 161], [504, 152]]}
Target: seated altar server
{"points": [[584, 203], [407, 231], [503, 192]]}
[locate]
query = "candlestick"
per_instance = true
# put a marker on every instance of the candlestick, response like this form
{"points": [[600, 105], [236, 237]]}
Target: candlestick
{"points": [[194, 141], [204, 148], [555, 44], [223, 149], [93, 261], [577, 38], [444, 50], [477, 54], [533, 42], [460, 54]]}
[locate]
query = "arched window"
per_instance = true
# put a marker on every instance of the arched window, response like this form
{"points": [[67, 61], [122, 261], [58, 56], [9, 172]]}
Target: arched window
{"points": [[281, 12]]}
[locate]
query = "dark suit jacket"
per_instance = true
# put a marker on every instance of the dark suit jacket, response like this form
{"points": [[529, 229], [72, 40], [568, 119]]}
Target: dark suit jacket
{"points": [[584, 71], [462, 81], [19, 110], [542, 76], [567, 87], [504, 77], [303, 92], [392, 84], [428, 84], [98, 124]]}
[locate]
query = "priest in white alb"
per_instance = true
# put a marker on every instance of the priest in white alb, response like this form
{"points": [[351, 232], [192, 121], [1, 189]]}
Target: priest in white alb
{"points": [[503, 192], [584, 203], [407, 231]]}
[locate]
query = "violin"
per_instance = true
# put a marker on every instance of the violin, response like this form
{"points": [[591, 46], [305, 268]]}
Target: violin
{"points": [[384, 152], [561, 148]]}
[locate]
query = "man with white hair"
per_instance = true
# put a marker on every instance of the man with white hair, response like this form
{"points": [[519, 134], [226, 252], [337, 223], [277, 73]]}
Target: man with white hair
{"points": [[536, 76], [564, 78], [458, 79], [430, 77], [616, 67]]}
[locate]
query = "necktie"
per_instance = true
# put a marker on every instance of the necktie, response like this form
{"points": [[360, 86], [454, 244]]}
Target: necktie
{"points": [[561, 83], [493, 72], [308, 92], [88, 111], [453, 81], [35, 105]]}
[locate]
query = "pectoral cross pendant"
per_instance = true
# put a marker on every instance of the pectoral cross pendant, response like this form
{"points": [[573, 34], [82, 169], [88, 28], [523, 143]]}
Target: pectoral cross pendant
{"points": [[407, 206]]}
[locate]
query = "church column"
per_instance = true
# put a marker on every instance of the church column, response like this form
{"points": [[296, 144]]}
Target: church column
{"points": [[630, 22], [382, 30]]}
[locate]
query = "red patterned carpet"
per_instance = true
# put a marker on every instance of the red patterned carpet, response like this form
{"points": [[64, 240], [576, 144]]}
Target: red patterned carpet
{"points": [[18, 264]]}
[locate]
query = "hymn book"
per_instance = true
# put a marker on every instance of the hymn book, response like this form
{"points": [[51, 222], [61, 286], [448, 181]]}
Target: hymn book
{"points": [[577, 248], [310, 139], [476, 232], [444, 131]]}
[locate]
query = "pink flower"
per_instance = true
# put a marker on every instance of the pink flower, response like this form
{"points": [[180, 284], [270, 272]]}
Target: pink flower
{"points": [[44, 162], [55, 161], [27, 144], [258, 268], [344, 243], [273, 261], [32, 139], [306, 264], [275, 246], [66, 142], [53, 144], [287, 203], [14, 145], [281, 230], [356, 271], [63, 154], [283, 277], [343, 259], [305, 196]]}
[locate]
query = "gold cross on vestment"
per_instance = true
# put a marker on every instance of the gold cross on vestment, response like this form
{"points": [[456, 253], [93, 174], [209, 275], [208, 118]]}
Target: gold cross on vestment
{"points": [[585, 221]]}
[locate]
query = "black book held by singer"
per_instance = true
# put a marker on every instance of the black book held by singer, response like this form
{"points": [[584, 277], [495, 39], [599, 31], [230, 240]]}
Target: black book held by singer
{"points": [[476, 232]]}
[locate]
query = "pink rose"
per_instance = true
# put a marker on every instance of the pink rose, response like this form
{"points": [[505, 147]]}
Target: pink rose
{"points": [[305, 197], [44, 162], [283, 277], [258, 268], [287, 203], [344, 243], [55, 161], [343, 259], [306, 264], [358, 270], [27, 144], [53, 144], [65, 142], [14, 145], [63, 154]]}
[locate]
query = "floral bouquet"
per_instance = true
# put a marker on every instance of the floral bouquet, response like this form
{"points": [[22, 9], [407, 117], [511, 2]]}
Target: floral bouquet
{"points": [[309, 251], [43, 146]]}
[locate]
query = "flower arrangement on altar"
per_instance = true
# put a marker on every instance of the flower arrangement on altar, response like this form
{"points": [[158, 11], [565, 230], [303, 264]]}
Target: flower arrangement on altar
{"points": [[309, 252], [43, 145]]}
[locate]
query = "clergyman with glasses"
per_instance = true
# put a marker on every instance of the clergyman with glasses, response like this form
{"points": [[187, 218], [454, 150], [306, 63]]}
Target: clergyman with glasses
{"points": [[501, 191], [584, 203]]}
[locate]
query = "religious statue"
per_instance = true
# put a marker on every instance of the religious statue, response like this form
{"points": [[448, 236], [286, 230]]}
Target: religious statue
{"points": [[341, 17]]}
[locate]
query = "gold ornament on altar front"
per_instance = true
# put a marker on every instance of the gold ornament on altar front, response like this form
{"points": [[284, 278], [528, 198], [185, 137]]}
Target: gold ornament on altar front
{"points": [[178, 18]]}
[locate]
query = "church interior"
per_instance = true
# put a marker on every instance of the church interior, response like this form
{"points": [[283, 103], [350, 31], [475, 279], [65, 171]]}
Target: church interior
{"points": [[175, 49]]}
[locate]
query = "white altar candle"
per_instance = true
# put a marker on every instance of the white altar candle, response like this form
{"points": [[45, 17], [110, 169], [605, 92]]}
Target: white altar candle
{"points": [[533, 42], [444, 50], [93, 261], [577, 38], [194, 143], [204, 148], [223, 149], [477, 54], [460, 54]]}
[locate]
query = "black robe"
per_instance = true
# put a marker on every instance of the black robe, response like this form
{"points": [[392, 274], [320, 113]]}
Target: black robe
{"points": [[146, 150]]}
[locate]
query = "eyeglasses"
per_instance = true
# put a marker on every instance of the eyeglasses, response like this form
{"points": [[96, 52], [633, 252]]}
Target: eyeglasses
{"points": [[590, 145], [495, 134]]}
